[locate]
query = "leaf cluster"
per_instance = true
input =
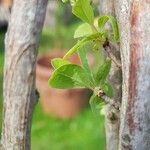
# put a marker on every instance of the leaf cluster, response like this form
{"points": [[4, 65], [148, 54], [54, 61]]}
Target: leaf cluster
{"points": [[93, 31]]}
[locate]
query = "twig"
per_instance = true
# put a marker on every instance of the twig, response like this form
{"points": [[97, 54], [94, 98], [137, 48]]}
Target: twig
{"points": [[111, 102], [108, 50], [100, 93]]}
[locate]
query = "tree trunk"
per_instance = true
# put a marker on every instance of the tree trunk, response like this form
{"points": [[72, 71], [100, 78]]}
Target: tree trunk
{"points": [[19, 74], [106, 7], [134, 22], [112, 124]]}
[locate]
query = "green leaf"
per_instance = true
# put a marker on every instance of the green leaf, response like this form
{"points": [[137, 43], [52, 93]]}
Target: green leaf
{"points": [[58, 62], [78, 45], [69, 76], [65, 1], [102, 22], [103, 72], [96, 104], [83, 10], [81, 43], [107, 88], [83, 30], [83, 58], [85, 64]]}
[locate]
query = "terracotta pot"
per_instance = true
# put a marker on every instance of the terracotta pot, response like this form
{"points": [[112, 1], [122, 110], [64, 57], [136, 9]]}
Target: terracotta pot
{"points": [[60, 103]]}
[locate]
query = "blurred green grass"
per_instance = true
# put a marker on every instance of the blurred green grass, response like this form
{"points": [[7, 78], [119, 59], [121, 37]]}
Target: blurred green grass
{"points": [[84, 132]]}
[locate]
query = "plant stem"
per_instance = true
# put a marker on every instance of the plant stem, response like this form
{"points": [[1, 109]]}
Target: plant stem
{"points": [[108, 50], [111, 102], [107, 100]]}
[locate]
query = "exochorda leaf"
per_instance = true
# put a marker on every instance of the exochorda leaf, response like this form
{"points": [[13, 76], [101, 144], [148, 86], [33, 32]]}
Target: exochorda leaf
{"points": [[85, 64], [83, 58], [58, 62], [83, 30], [69, 76], [96, 104], [81, 43], [83, 10], [103, 72], [102, 22]]}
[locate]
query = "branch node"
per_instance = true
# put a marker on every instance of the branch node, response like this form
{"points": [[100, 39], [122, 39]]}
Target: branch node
{"points": [[116, 105]]}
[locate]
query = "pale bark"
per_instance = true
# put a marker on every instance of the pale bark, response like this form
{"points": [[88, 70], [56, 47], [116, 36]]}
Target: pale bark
{"points": [[112, 115], [134, 23], [4, 15], [107, 7], [21, 44]]}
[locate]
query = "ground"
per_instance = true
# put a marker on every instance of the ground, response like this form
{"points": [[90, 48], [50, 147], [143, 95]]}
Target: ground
{"points": [[84, 132]]}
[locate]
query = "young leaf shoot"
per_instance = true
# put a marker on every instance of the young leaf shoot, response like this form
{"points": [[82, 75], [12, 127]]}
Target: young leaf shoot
{"points": [[68, 75]]}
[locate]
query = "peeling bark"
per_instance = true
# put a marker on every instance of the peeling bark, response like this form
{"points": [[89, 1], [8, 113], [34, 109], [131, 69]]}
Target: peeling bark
{"points": [[21, 44], [134, 22], [112, 115]]}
